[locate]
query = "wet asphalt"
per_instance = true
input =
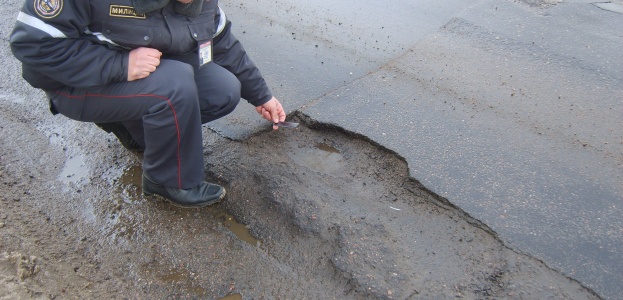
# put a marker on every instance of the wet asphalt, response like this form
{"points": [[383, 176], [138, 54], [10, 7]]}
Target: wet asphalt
{"points": [[511, 110]]}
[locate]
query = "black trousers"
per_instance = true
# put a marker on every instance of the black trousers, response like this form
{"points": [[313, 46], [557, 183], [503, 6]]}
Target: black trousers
{"points": [[163, 112]]}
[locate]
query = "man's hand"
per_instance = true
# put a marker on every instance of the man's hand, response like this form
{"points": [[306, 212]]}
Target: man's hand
{"points": [[142, 62], [272, 111]]}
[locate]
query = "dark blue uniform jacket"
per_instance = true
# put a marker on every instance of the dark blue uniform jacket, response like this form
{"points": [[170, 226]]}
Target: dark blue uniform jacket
{"points": [[83, 43]]}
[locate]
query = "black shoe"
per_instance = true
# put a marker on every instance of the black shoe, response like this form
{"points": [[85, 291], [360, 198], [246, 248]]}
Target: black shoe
{"points": [[122, 134], [202, 195]]}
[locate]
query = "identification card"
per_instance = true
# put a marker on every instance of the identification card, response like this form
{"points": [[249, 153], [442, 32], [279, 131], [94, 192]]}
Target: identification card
{"points": [[205, 53]]}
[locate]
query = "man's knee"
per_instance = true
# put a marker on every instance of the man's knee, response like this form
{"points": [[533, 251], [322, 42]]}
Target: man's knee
{"points": [[221, 100], [175, 82], [173, 78]]}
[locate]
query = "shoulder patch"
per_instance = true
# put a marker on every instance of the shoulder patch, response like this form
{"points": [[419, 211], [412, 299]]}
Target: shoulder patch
{"points": [[122, 11], [48, 9]]}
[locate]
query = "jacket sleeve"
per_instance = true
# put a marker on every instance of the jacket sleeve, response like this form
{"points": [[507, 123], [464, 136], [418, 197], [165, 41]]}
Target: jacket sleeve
{"points": [[50, 42], [229, 53]]}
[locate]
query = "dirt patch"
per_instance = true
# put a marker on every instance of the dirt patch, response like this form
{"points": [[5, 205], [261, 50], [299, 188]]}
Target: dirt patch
{"points": [[330, 215]]}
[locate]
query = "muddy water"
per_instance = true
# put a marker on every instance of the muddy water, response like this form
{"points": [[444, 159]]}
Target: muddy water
{"points": [[327, 148], [322, 158], [240, 230], [232, 297]]}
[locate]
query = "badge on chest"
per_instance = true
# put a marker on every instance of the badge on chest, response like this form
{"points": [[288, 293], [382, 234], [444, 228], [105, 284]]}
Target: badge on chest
{"points": [[205, 53]]}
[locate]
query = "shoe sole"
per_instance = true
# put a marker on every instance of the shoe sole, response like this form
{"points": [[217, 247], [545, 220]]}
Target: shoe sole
{"points": [[198, 205]]}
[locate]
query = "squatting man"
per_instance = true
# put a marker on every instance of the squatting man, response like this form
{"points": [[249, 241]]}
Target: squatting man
{"points": [[149, 71]]}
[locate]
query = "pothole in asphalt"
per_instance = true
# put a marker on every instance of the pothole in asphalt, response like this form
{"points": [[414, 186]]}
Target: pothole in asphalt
{"points": [[320, 213], [346, 220]]}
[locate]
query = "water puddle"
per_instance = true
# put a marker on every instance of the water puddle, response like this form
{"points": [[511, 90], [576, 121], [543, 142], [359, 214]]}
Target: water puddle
{"points": [[184, 278], [232, 297], [177, 277], [132, 176], [327, 148], [74, 170], [323, 158], [130, 183], [239, 229], [124, 227], [88, 212]]}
